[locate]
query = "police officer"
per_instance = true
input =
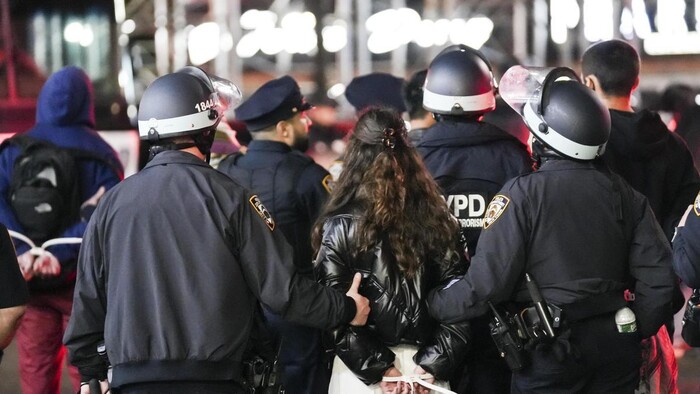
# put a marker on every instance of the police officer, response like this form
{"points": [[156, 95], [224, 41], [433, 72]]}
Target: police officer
{"points": [[581, 232], [376, 89], [686, 246], [470, 160], [177, 258], [294, 188]]}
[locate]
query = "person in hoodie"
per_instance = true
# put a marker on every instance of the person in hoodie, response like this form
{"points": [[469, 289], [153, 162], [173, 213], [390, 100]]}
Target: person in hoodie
{"points": [[470, 160], [65, 116], [654, 161]]}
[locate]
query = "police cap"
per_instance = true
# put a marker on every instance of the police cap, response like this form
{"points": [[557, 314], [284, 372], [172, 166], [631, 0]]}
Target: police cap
{"points": [[380, 89], [275, 101]]}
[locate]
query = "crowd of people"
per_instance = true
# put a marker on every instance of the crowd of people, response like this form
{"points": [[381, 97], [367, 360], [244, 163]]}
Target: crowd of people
{"points": [[440, 253]]}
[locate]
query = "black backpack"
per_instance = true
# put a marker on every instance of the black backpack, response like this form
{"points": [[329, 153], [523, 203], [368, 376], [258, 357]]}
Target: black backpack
{"points": [[44, 188]]}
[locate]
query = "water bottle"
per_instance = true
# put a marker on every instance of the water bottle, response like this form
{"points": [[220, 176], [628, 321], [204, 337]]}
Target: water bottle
{"points": [[625, 320]]}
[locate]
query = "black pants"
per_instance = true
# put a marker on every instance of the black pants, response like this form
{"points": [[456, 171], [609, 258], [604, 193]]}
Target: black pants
{"points": [[601, 360], [185, 387]]}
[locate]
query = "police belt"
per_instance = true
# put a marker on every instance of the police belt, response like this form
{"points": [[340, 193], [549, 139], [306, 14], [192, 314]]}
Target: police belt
{"points": [[599, 304]]}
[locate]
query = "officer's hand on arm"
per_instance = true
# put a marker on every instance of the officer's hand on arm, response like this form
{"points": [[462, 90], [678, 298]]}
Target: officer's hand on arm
{"points": [[361, 303]]}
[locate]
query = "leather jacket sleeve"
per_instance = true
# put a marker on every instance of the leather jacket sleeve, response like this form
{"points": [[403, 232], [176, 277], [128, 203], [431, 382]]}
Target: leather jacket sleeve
{"points": [[451, 341], [363, 353]]}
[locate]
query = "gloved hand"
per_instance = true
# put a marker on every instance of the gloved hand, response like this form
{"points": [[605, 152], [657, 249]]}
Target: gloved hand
{"points": [[26, 265], [47, 265]]}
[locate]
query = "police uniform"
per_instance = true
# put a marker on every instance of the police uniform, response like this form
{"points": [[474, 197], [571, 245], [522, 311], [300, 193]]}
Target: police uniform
{"points": [[686, 247], [294, 188], [470, 161], [191, 262], [585, 236]]}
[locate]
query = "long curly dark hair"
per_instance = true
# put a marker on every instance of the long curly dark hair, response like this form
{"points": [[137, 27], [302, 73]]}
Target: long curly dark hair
{"points": [[400, 202]]}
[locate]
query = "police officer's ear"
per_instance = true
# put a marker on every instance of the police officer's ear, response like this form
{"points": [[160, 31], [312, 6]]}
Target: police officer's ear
{"points": [[284, 130]]}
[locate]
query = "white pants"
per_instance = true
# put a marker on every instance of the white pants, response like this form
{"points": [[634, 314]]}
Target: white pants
{"points": [[344, 381]]}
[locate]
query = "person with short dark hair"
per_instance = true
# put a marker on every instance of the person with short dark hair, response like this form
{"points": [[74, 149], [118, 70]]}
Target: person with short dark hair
{"points": [[419, 118], [653, 160], [387, 220]]}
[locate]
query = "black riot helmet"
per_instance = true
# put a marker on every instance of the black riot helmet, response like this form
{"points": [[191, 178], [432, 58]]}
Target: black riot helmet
{"points": [[459, 82], [185, 103], [561, 112]]}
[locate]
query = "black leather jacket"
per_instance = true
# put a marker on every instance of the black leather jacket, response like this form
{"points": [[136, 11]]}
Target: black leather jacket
{"points": [[398, 315]]}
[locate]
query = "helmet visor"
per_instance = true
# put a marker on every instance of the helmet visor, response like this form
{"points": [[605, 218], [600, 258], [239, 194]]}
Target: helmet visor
{"points": [[524, 85], [226, 94]]}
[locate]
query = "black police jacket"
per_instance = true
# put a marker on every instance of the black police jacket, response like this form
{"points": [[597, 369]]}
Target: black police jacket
{"points": [[470, 161], [290, 184], [173, 265], [686, 248], [398, 314], [582, 233]]}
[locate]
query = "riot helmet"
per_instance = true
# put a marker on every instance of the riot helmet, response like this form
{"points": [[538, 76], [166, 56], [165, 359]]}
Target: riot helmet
{"points": [[561, 112], [459, 82], [188, 102]]}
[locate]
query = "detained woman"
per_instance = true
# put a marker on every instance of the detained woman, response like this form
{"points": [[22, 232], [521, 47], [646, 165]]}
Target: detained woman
{"points": [[386, 220]]}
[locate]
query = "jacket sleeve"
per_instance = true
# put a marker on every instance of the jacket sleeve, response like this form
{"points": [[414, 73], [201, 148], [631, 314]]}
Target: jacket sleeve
{"points": [[650, 264], [686, 250], [683, 176], [268, 267], [86, 325], [495, 270], [361, 351], [451, 341]]}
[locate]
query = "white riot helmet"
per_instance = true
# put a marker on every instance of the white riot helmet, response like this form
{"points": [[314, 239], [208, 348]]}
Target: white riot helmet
{"points": [[186, 102], [459, 82]]}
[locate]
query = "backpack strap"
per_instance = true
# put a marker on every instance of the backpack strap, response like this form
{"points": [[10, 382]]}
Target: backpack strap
{"points": [[24, 141]]}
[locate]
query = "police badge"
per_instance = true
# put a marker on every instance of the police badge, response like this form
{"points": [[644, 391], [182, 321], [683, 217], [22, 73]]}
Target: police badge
{"points": [[495, 209]]}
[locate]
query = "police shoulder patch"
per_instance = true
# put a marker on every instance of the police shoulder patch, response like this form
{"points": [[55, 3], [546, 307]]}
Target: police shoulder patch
{"points": [[262, 211], [328, 183], [696, 205], [498, 205]]}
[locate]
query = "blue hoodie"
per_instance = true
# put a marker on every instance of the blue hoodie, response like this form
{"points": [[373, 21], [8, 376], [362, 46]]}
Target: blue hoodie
{"points": [[65, 116]]}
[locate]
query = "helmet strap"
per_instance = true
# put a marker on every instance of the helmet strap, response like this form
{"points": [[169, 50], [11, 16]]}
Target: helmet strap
{"points": [[204, 142]]}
